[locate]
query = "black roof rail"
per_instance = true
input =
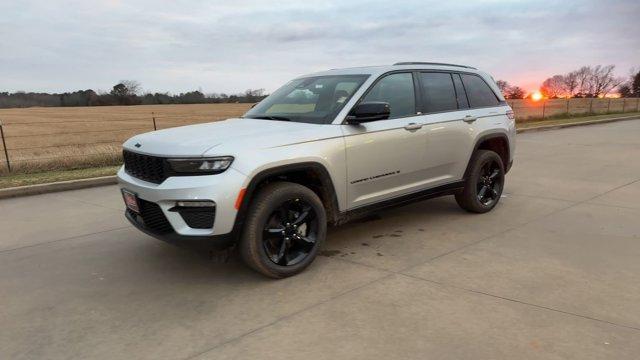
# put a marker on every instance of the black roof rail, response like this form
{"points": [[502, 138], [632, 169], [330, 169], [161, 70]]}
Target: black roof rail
{"points": [[433, 63]]}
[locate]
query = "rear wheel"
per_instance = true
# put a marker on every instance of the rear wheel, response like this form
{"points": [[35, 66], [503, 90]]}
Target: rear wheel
{"points": [[484, 183], [285, 226]]}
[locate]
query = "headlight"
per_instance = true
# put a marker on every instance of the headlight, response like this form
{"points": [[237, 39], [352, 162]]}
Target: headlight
{"points": [[214, 165]]}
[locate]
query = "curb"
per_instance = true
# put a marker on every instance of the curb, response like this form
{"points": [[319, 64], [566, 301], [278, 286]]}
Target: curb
{"points": [[577, 123], [57, 186]]}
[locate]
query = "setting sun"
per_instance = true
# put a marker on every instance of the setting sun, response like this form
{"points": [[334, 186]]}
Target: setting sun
{"points": [[536, 96]]}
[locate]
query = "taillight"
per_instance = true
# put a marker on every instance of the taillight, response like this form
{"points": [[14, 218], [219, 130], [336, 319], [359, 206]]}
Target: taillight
{"points": [[511, 115]]}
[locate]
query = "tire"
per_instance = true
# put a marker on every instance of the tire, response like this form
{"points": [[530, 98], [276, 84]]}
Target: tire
{"points": [[272, 242], [486, 171]]}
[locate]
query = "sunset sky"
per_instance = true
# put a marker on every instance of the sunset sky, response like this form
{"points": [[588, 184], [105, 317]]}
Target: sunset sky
{"points": [[230, 46]]}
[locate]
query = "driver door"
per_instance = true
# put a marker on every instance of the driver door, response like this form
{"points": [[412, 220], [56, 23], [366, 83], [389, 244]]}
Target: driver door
{"points": [[386, 158]]}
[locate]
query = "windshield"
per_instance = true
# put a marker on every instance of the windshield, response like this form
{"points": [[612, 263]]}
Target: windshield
{"points": [[314, 100]]}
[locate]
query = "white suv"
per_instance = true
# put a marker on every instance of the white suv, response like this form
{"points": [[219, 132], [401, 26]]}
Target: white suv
{"points": [[324, 148]]}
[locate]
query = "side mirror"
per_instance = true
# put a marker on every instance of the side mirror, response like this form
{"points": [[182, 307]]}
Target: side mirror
{"points": [[369, 111]]}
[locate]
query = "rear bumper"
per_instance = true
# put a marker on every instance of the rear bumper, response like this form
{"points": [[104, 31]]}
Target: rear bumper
{"points": [[198, 243]]}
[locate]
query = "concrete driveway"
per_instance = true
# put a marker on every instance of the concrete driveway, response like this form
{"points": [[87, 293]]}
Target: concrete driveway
{"points": [[552, 273]]}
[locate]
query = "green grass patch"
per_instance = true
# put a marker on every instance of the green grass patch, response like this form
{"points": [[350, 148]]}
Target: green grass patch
{"points": [[559, 120], [13, 180]]}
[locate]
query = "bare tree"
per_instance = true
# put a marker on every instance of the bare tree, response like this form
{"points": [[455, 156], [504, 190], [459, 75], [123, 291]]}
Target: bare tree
{"points": [[631, 87], [583, 77], [603, 80], [570, 81], [133, 87], [625, 91], [503, 86], [515, 92], [509, 91], [554, 87], [125, 92], [254, 95]]}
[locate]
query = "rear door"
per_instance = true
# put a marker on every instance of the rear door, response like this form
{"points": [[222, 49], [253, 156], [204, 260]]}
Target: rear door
{"points": [[385, 158], [448, 136]]}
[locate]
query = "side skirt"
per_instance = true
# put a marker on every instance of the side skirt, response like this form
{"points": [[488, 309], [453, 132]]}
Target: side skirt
{"points": [[442, 190]]}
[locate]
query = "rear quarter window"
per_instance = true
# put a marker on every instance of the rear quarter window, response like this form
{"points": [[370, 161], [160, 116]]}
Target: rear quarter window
{"points": [[478, 92]]}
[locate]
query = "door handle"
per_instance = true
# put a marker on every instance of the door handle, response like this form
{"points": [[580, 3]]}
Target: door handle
{"points": [[413, 126], [469, 119]]}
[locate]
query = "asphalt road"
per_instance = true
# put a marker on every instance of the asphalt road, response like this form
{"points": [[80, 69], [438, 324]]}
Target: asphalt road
{"points": [[552, 273]]}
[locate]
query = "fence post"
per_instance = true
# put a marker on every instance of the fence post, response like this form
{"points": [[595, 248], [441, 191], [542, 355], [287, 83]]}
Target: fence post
{"points": [[624, 104], [568, 100], [637, 104], [608, 105], [4, 146], [544, 105], [153, 116], [591, 107]]}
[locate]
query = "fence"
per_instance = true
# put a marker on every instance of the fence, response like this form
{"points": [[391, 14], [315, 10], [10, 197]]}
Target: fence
{"points": [[533, 110], [42, 139]]}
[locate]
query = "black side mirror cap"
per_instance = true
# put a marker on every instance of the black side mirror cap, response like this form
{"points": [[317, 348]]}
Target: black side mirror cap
{"points": [[369, 111]]}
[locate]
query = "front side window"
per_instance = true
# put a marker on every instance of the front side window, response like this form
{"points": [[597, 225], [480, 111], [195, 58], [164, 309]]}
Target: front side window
{"points": [[314, 100], [478, 92], [396, 90], [438, 93]]}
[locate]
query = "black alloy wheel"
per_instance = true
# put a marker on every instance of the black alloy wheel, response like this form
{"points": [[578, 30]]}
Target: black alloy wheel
{"points": [[489, 184], [290, 232], [483, 184], [285, 227]]}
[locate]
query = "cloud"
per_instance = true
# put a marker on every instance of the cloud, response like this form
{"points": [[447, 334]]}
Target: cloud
{"points": [[231, 46]]}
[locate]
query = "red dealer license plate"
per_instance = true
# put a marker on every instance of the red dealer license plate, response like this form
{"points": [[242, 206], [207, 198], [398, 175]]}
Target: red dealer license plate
{"points": [[131, 200]]}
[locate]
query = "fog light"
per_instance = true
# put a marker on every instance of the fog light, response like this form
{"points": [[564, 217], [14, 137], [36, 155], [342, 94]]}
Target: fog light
{"points": [[198, 204]]}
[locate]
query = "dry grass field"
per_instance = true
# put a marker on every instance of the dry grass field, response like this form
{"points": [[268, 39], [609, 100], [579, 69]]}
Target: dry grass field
{"points": [[56, 138], [43, 139]]}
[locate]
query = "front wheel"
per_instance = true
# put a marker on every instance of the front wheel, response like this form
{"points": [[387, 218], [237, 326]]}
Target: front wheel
{"points": [[284, 229], [484, 183]]}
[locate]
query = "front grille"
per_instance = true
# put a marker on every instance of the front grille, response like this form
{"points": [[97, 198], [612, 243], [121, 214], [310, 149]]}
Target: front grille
{"points": [[198, 218], [145, 167], [152, 217]]}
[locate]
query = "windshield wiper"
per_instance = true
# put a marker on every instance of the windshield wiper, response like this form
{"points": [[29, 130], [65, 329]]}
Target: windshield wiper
{"points": [[270, 117]]}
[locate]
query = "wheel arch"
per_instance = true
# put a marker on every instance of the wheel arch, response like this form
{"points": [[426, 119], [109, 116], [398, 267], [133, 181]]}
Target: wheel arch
{"points": [[311, 174], [497, 142]]}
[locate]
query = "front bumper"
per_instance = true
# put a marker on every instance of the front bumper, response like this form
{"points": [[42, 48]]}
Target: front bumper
{"points": [[198, 243], [222, 189]]}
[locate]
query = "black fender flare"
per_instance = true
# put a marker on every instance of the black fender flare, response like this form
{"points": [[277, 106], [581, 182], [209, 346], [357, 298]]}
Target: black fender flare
{"points": [[483, 138], [325, 179]]}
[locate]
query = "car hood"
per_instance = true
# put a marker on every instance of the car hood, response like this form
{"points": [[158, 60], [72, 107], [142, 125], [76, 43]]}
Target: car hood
{"points": [[200, 139]]}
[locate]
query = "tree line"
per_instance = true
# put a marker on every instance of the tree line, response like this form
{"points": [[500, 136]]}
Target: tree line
{"points": [[585, 82], [126, 92]]}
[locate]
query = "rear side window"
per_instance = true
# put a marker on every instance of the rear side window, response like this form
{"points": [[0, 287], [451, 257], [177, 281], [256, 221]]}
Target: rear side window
{"points": [[438, 93], [478, 92], [397, 90], [463, 103]]}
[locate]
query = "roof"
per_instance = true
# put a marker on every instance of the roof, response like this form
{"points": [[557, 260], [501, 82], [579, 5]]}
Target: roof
{"points": [[376, 70]]}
